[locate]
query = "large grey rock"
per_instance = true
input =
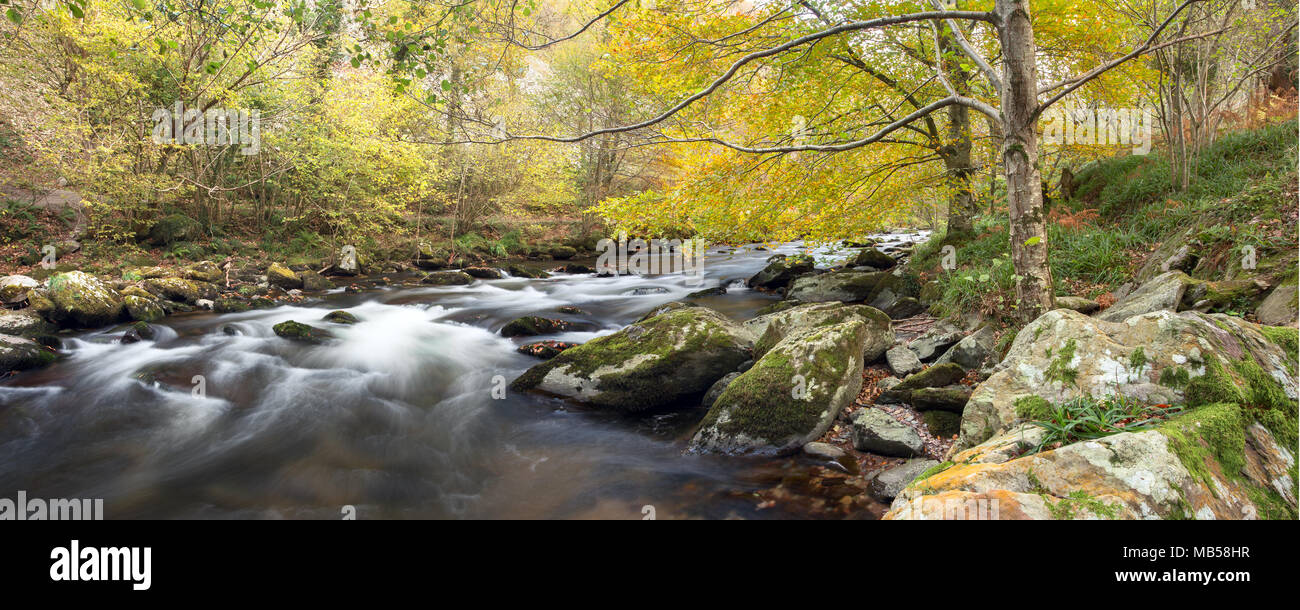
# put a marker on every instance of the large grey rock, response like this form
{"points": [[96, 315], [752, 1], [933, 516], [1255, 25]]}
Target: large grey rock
{"points": [[972, 350], [902, 360], [844, 286], [951, 398], [791, 395], [1158, 357], [878, 432], [936, 376], [24, 323], [1164, 291], [1130, 475], [657, 362], [19, 353], [1279, 307], [931, 343], [888, 484], [1079, 304], [872, 257], [715, 390]]}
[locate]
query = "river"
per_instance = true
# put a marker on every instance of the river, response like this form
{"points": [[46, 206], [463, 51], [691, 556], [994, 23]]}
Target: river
{"points": [[219, 418]]}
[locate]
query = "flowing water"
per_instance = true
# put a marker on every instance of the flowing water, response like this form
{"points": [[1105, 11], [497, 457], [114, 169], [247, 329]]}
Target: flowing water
{"points": [[395, 418]]}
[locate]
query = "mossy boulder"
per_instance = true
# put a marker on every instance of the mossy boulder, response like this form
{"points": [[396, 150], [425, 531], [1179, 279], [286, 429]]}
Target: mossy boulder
{"points": [[81, 299], [942, 424], [303, 333], [144, 309], [876, 431], [24, 323], [1160, 357], [791, 395], [174, 228], [20, 353], [844, 286], [314, 282], [518, 270], [872, 257], [668, 360], [1079, 304], [1212, 462], [780, 271], [528, 326], [205, 271], [936, 376], [240, 305], [950, 398], [771, 329], [341, 317], [563, 252], [447, 278], [282, 277], [176, 289]]}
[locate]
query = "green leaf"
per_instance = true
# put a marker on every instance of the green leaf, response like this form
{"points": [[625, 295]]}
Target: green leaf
{"points": [[139, 5], [76, 11], [1032, 241], [14, 16]]}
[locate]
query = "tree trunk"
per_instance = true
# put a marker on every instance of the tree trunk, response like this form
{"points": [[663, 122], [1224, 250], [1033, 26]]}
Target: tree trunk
{"points": [[1019, 157], [956, 152]]}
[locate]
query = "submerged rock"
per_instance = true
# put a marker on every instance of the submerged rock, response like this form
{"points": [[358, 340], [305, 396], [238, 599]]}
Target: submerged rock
{"points": [[341, 317], [657, 362], [447, 278], [518, 270], [482, 273]]}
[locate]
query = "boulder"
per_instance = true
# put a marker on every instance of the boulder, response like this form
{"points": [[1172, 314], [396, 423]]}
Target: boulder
{"points": [[518, 270], [878, 432], [446, 278], [936, 376], [942, 424], [1160, 357], [771, 329], [176, 289], [1079, 304], [143, 309], [791, 395], [340, 317], [872, 257], [81, 299], [780, 271], [349, 262], [174, 228], [824, 451], [903, 361], [1279, 308], [844, 286], [1209, 463], [886, 485], [528, 326], [972, 350], [205, 271], [24, 323], [661, 361], [20, 353], [951, 398], [563, 253], [931, 343], [482, 273], [282, 277], [303, 333], [314, 282], [1164, 291], [14, 288]]}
